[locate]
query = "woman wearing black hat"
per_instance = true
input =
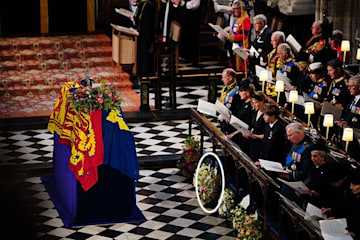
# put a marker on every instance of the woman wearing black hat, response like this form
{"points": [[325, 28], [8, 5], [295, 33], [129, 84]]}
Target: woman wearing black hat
{"points": [[344, 204], [257, 125], [243, 113], [317, 180]]}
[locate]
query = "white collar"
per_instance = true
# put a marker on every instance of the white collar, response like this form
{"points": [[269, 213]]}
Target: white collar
{"points": [[272, 124], [357, 97], [263, 29]]}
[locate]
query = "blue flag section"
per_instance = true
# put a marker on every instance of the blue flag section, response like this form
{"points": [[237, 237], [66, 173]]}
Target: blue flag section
{"points": [[119, 145]]}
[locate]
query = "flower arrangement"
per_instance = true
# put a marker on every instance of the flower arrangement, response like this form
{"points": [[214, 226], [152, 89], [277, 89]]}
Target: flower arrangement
{"points": [[190, 157], [209, 183], [247, 226], [227, 203], [87, 98]]}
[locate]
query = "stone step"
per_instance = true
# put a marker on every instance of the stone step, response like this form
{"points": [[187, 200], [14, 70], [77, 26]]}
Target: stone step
{"points": [[45, 54], [31, 91], [54, 42], [16, 78], [54, 63]]}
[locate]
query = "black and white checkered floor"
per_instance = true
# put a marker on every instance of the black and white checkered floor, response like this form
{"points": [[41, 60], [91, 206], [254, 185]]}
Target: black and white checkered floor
{"points": [[167, 199], [186, 97], [152, 139]]}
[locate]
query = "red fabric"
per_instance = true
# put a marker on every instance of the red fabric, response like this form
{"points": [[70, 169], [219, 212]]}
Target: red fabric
{"points": [[90, 163], [340, 54], [246, 25]]}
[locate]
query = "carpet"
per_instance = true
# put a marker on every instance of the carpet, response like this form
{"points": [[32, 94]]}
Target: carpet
{"points": [[33, 69]]}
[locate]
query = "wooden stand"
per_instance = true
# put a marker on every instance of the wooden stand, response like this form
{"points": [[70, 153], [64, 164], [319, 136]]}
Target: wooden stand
{"points": [[124, 44]]}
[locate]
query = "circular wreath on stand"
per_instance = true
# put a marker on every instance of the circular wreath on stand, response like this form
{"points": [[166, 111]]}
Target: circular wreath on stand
{"points": [[209, 184]]}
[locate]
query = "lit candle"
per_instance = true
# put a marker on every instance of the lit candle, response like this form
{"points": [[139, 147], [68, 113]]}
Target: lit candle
{"points": [[279, 87], [293, 98], [328, 122], [264, 76], [309, 109], [345, 47], [348, 136]]}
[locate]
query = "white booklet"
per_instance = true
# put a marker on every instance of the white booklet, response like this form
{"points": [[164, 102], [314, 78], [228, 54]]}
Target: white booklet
{"points": [[127, 30], [285, 79], [245, 202], [222, 110], [334, 229], [300, 100], [272, 166], [239, 125], [206, 108], [297, 186], [127, 13], [240, 51], [259, 69], [219, 29], [307, 98], [312, 211], [293, 43]]}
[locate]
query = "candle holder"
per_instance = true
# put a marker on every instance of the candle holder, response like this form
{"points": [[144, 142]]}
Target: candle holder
{"points": [[328, 122], [264, 76], [358, 58], [348, 136], [309, 109], [279, 87], [345, 47], [293, 98]]}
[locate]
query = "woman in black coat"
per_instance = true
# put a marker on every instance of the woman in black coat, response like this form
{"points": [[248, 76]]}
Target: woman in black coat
{"points": [[257, 125]]}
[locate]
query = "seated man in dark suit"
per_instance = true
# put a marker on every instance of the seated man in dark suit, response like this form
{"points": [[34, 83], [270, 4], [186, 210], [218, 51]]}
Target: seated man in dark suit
{"points": [[351, 115]]}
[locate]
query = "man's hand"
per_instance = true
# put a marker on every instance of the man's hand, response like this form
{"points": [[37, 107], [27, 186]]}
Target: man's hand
{"points": [[325, 210], [355, 188], [313, 193], [340, 123]]}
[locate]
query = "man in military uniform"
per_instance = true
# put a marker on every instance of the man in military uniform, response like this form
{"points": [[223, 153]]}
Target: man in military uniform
{"points": [[298, 161], [314, 45], [286, 63], [271, 60], [262, 41], [229, 96], [351, 115], [238, 34], [338, 93]]}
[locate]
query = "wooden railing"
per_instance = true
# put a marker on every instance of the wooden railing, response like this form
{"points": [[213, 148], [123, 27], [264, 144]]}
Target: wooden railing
{"points": [[255, 175]]}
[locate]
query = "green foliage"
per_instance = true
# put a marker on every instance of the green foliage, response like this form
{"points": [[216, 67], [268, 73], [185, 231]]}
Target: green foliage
{"points": [[190, 157], [89, 98], [227, 203], [209, 183], [247, 226]]}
